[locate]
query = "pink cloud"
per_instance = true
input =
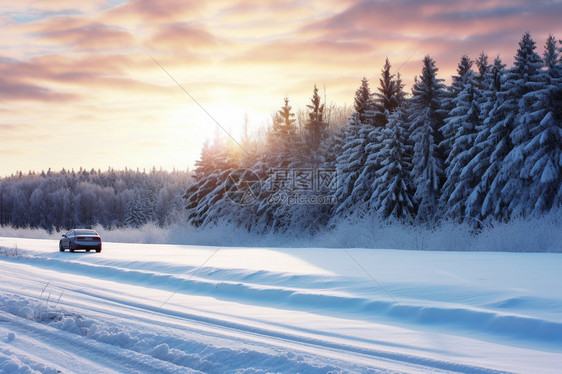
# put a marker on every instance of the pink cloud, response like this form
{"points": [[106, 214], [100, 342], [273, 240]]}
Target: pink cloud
{"points": [[181, 37], [146, 12], [90, 36], [78, 32], [11, 89]]}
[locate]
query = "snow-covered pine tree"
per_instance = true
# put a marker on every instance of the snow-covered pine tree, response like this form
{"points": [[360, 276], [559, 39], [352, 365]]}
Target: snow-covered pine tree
{"points": [[426, 119], [389, 96], [279, 156], [370, 141], [464, 67], [220, 204], [449, 103], [479, 165], [459, 132], [552, 57], [316, 109], [211, 172], [351, 160], [483, 67], [305, 216], [510, 131], [363, 101], [203, 168], [349, 163], [314, 134], [542, 164], [352, 140], [332, 147], [393, 193], [281, 138], [278, 153]]}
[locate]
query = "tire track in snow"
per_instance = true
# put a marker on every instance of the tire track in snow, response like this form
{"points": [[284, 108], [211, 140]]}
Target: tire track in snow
{"points": [[322, 301], [277, 338], [238, 329], [152, 346], [85, 355]]}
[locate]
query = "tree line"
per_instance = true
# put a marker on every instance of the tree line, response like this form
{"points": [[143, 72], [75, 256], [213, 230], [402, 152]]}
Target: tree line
{"points": [[486, 148], [67, 199]]}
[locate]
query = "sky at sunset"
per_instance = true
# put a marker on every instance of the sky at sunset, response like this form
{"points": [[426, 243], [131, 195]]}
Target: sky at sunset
{"points": [[78, 86]]}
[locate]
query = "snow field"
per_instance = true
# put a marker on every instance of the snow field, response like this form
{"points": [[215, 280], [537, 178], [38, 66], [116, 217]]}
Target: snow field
{"points": [[177, 344], [286, 310], [497, 317]]}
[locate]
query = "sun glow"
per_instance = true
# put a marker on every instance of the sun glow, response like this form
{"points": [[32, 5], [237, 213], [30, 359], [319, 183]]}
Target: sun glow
{"points": [[68, 71], [205, 122]]}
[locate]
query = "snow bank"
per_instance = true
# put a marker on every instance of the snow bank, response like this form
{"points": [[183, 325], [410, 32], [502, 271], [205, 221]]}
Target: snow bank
{"points": [[29, 233], [180, 351], [542, 234], [14, 365]]}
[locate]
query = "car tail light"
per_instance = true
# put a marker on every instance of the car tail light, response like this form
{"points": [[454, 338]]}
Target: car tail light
{"points": [[80, 238]]}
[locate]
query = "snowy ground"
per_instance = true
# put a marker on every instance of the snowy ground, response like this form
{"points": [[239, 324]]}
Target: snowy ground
{"points": [[166, 309]]}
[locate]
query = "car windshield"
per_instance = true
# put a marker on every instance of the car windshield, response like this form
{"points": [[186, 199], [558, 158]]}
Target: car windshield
{"points": [[85, 232]]}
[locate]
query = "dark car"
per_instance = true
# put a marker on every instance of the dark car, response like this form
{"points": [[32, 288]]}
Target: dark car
{"points": [[80, 239]]}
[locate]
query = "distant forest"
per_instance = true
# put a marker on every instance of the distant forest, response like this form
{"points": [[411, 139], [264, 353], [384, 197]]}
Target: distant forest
{"points": [[66, 199], [485, 149]]}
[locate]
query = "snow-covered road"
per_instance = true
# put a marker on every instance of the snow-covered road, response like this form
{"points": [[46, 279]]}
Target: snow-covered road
{"points": [[155, 309]]}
